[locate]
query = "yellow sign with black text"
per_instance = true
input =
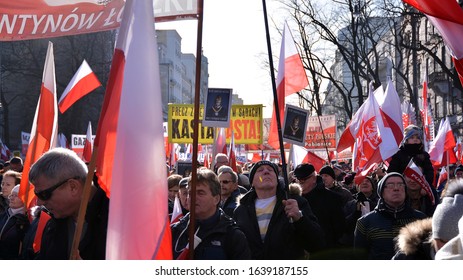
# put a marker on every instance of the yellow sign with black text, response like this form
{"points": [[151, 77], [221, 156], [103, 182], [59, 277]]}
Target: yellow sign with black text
{"points": [[245, 122]]}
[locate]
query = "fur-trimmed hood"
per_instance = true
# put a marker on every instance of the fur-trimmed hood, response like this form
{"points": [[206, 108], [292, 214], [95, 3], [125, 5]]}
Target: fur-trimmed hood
{"points": [[415, 238]]}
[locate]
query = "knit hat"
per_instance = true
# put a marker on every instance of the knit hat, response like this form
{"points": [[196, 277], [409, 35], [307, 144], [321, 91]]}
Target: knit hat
{"points": [[15, 190], [303, 170], [259, 164], [328, 171], [381, 183], [459, 168], [411, 130], [349, 178], [446, 216]]}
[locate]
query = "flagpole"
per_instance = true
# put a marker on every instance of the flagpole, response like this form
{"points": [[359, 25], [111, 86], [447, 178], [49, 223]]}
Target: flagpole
{"points": [[275, 100], [194, 160], [83, 206]]}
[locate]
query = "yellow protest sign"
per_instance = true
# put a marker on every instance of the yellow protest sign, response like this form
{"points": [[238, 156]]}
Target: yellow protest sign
{"points": [[245, 121]]}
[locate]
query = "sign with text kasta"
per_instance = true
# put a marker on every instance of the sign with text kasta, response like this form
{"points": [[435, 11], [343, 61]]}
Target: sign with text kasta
{"points": [[245, 122]]}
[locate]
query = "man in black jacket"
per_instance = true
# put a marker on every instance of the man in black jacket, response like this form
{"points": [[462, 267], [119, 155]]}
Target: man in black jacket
{"points": [[276, 227], [59, 177]]}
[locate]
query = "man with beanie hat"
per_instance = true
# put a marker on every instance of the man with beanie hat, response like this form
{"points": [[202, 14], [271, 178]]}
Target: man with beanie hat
{"points": [[375, 232], [329, 179], [412, 148], [459, 172], [294, 229], [453, 250]]}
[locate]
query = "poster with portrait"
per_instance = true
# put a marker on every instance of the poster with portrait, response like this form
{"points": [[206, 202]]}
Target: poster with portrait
{"points": [[295, 125], [217, 109], [184, 168]]}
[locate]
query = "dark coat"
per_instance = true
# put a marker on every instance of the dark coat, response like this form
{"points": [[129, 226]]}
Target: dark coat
{"points": [[328, 208], [284, 240], [400, 160], [13, 228], [58, 233], [221, 239], [231, 203], [375, 232]]}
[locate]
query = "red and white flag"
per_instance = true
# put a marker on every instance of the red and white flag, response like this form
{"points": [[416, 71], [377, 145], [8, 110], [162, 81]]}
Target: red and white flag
{"points": [[413, 172], [291, 78], [83, 82], [426, 115], [443, 142], [368, 139], [177, 212], [348, 136], [443, 176], [88, 146], [5, 153], [220, 144], [131, 119], [302, 155], [390, 123], [44, 132], [232, 153], [408, 114]]}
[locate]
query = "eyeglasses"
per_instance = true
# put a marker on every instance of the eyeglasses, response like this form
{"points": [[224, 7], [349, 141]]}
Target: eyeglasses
{"points": [[393, 185], [47, 193], [226, 182]]}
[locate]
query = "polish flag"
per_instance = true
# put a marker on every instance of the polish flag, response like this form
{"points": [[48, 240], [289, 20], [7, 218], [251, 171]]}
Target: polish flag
{"points": [[368, 139], [390, 121], [83, 82], [443, 176], [408, 114], [413, 172], [177, 213], [44, 132], [88, 146], [348, 136], [302, 155], [138, 222], [232, 153], [291, 78], [443, 142]]}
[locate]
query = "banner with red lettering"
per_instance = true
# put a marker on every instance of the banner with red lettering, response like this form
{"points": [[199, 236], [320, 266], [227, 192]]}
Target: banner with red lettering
{"points": [[321, 133], [34, 19]]}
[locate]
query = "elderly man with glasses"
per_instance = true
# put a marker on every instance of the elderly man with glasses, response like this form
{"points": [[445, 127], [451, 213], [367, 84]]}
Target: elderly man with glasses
{"points": [[59, 177], [375, 232]]}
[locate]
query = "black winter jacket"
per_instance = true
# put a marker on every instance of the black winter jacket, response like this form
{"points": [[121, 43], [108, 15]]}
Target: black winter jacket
{"points": [[284, 240]]}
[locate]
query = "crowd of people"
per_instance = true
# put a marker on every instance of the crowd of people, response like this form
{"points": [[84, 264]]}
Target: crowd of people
{"points": [[251, 212], [324, 214]]}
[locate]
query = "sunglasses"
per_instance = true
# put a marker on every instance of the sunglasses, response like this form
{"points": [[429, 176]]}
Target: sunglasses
{"points": [[47, 193], [226, 182]]}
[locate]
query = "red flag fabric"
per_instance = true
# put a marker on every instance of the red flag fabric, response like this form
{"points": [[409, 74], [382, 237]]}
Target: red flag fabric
{"points": [[82, 83], [291, 78], [44, 127], [232, 153], [443, 176], [389, 121], [5, 153], [348, 136], [444, 9], [138, 222], [43, 220], [413, 172], [220, 144], [443, 142], [368, 140], [88, 146], [300, 155]]}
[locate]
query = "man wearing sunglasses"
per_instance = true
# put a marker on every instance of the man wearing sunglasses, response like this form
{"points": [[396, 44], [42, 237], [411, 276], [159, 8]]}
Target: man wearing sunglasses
{"points": [[59, 177], [230, 192]]}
